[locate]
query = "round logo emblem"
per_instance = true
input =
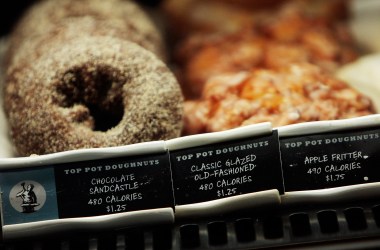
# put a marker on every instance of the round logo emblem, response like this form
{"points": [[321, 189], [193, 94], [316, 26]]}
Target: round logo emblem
{"points": [[27, 196]]}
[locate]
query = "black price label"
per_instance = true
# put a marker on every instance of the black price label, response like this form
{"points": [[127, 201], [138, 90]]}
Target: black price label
{"points": [[114, 185], [226, 169], [330, 160], [88, 188]]}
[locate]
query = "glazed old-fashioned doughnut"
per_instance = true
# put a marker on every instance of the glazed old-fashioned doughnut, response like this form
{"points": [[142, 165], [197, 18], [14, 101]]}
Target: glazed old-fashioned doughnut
{"points": [[90, 91]]}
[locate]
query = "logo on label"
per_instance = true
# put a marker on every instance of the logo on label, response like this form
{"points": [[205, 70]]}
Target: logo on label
{"points": [[27, 196]]}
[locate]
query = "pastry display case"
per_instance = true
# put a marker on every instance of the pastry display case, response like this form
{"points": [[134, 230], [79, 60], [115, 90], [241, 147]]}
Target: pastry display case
{"points": [[190, 124]]}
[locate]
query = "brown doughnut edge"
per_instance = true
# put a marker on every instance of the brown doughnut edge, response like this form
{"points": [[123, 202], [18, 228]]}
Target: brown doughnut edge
{"points": [[52, 102], [116, 18]]}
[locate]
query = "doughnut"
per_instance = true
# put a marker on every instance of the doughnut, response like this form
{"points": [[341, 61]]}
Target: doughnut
{"points": [[88, 74], [90, 91], [293, 94], [224, 16], [116, 18], [64, 31], [279, 37]]}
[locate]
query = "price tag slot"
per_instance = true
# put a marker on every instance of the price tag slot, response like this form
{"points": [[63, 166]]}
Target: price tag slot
{"points": [[88, 188], [329, 160], [226, 169]]}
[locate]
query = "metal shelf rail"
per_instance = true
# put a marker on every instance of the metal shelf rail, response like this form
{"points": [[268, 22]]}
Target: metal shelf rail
{"points": [[354, 225]]}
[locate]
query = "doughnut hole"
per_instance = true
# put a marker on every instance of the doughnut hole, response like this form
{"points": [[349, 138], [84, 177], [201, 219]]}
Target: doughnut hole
{"points": [[91, 96]]}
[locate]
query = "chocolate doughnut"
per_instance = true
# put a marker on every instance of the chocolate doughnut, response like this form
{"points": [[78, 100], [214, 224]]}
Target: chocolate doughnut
{"points": [[90, 91]]}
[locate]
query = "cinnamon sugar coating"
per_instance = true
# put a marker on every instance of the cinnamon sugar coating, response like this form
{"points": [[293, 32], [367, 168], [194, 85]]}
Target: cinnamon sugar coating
{"points": [[123, 19], [58, 101], [88, 73]]}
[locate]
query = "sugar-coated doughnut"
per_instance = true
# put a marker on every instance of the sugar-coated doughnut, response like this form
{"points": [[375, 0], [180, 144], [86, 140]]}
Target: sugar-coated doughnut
{"points": [[90, 91], [88, 73], [116, 18]]}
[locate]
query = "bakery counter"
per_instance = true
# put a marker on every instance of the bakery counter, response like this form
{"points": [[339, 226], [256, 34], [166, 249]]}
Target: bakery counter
{"points": [[253, 168], [135, 134]]}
